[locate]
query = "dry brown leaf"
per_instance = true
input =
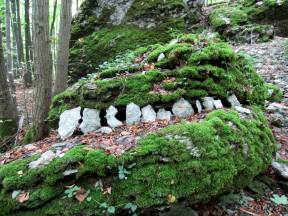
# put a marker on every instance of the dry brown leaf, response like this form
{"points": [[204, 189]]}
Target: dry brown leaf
{"points": [[171, 198], [81, 195], [23, 197], [108, 190]]}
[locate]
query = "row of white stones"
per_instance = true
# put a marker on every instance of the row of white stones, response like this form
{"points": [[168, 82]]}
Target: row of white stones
{"points": [[91, 121]]}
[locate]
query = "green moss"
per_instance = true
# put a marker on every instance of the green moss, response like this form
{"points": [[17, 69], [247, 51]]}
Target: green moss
{"points": [[88, 53], [221, 154], [222, 17], [30, 135]]}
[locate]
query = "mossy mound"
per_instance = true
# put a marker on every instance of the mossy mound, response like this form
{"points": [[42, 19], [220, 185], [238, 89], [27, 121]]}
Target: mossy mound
{"points": [[194, 66], [104, 29], [194, 161], [236, 22]]}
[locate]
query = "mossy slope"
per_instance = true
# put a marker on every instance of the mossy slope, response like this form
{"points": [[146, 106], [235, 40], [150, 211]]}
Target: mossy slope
{"points": [[194, 161], [97, 36]]}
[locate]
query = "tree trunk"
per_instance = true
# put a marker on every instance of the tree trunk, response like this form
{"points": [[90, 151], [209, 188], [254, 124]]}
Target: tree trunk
{"points": [[63, 46], [8, 110], [8, 45], [17, 30], [42, 69], [28, 74], [53, 18]]}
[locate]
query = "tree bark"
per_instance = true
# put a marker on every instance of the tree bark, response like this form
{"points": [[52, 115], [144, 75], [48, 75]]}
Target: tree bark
{"points": [[8, 110], [53, 18], [63, 46], [42, 68], [8, 45], [28, 74], [17, 25]]}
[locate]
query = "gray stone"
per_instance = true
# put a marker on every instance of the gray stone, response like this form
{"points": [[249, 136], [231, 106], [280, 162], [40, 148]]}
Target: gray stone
{"points": [[91, 120], [111, 119], [69, 121], [125, 140], [161, 57], [182, 108], [44, 159], [273, 107], [208, 103], [242, 110], [199, 106], [164, 115], [233, 100], [148, 114], [15, 193], [133, 114], [218, 104], [70, 172], [281, 168], [105, 130]]}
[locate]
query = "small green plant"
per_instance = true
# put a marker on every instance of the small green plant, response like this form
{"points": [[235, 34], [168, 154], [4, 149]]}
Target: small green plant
{"points": [[122, 172], [279, 200], [132, 208], [72, 191], [107, 208]]}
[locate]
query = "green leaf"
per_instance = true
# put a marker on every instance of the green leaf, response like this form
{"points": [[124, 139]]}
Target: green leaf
{"points": [[111, 210], [89, 199], [103, 205], [279, 200]]}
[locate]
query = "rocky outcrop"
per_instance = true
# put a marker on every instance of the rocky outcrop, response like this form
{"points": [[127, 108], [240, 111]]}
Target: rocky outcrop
{"points": [[104, 29]]}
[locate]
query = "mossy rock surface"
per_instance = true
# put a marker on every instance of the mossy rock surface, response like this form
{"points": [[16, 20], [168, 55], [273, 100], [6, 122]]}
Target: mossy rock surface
{"points": [[261, 19], [104, 29], [194, 66], [194, 161]]}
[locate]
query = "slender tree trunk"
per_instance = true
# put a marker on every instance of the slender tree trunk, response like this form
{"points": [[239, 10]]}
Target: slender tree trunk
{"points": [[42, 68], [18, 33], [63, 46], [77, 5], [8, 110], [28, 74], [15, 48], [53, 18], [8, 45]]}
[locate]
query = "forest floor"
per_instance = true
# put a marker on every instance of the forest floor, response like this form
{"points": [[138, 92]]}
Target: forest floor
{"points": [[272, 64]]}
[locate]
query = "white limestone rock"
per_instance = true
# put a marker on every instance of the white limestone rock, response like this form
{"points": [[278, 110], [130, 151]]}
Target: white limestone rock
{"points": [[242, 110], [111, 119], [233, 100], [133, 114], [164, 115], [44, 159], [281, 168], [208, 103], [69, 121], [182, 108], [105, 130], [148, 114], [218, 104], [161, 57], [91, 120], [199, 106]]}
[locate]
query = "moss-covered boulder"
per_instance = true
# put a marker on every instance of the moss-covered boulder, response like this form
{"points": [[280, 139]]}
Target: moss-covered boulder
{"points": [[193, 67], [104, 29], [236, 22], [193, 161]]}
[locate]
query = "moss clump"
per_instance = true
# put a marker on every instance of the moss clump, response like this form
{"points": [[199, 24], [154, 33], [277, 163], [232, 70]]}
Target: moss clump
{"points": [[188, 160]]}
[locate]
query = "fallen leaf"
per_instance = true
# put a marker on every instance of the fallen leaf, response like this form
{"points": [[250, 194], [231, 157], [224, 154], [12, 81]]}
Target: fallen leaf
{"points": [[108, 190], [81, 195], [23, 197]]}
